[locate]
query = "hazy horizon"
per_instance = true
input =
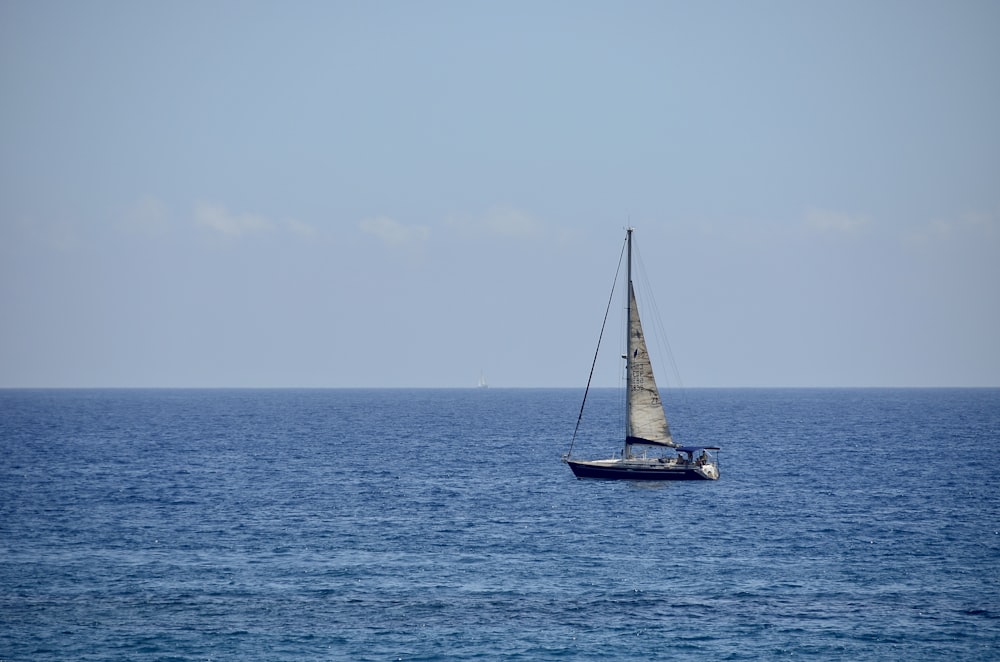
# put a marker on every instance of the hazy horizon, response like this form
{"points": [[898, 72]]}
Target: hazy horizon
{"points": [[404, 195]]}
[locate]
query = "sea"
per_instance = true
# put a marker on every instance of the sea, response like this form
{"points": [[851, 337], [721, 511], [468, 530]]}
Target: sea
{"points": [[427, 524]]}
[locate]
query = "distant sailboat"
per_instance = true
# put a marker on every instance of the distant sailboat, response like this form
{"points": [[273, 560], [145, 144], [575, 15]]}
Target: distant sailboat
{"points": [[482, 381], [646, 424]]}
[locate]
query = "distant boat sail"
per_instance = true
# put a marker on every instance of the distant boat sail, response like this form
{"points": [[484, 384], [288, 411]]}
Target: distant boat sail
{"points": [[645, 421], [482, 381]]}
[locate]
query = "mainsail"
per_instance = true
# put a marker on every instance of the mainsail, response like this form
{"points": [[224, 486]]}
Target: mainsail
{"points": [[647, 424], [645, 421]]}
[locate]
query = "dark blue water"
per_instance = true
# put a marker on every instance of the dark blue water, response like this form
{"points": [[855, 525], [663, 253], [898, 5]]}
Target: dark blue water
{"points": [[440, 524]]}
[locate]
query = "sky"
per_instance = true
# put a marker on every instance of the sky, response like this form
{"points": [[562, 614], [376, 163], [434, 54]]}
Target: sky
{"points": [[410, 194]]}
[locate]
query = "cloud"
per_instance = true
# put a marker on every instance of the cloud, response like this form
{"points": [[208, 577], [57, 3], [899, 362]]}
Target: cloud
{"points": [[300, 229], [59, 236], [834, 222], [232, 225], [147, 217], [501, 222], [512, 223], [978, 226], [64, 236], [221, 220], [393, 232]]}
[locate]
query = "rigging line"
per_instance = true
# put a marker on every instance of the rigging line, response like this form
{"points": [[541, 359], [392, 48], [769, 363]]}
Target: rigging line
{"points": [[597, 351], [661, 338]]}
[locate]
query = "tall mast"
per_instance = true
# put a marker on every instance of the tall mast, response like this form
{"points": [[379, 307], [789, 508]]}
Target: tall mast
{"points": [[628, 337]]}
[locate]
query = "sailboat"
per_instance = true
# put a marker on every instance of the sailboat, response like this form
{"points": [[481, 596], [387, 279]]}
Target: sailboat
{"points": [[482, 381], [650, 452]]}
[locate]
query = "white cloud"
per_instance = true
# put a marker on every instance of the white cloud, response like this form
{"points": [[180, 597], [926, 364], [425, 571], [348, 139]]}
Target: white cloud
{"points": [[501, 222], [64, 236], [224, 222], [834, 222], [977, 226], [300, 229], [60, 236], [983, 222], [512, 223], [393, 232], [233, 225], [148, 217]]}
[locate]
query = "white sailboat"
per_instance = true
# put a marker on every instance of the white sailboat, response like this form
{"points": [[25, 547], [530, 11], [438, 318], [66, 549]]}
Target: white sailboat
{"points": [[482, 381], [650, 452]]}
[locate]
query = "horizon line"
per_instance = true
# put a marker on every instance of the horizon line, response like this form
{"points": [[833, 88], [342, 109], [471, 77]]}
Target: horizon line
{"points": [[468, 388]]}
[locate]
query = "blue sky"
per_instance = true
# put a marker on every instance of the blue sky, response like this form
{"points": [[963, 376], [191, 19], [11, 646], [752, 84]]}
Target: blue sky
{"points": [[409, 193]]}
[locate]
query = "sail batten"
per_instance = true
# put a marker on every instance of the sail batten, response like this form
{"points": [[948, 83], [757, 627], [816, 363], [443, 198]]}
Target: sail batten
{"points": [[647, 423]]}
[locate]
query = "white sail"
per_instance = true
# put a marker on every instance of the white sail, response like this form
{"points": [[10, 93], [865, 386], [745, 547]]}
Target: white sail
{"points": [[647, 424], [645, 421]]}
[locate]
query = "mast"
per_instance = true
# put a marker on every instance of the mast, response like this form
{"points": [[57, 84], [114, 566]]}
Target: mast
{"points": [[628, 341], [645, 422]]}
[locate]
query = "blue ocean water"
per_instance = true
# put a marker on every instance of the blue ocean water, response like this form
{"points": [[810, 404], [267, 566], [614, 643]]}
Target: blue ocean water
{"points": [[440, 524]]}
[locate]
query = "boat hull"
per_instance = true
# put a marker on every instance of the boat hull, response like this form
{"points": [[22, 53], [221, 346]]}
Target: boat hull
{"points": [[647, 470]]}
